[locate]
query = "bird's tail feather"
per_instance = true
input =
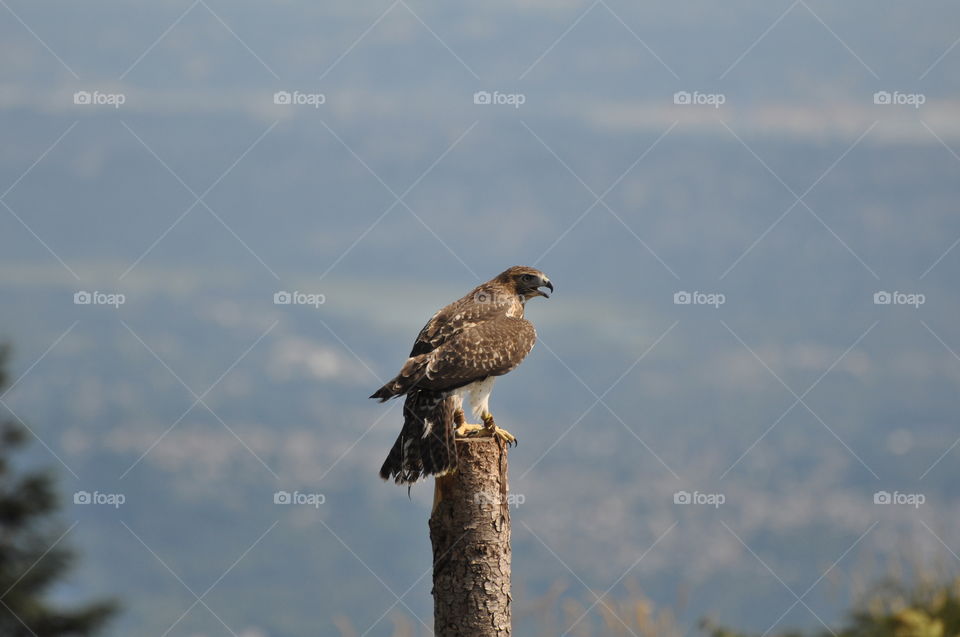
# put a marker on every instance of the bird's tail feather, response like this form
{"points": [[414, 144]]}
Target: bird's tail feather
{"points": [[426, 444]]}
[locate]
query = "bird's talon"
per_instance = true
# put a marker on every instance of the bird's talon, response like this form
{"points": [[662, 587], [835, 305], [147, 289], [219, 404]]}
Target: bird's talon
{"points": [[467, 430], [504, 436]]}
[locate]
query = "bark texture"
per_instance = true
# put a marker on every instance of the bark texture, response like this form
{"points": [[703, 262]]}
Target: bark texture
{"points": [[470, 534]]}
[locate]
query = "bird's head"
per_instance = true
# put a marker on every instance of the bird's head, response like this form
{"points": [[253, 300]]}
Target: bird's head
{"points": [[526, 281]]}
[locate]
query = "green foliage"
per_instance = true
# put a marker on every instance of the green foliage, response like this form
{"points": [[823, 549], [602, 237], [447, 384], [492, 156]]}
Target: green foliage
{"points": [[925, 608], [31, 558]]}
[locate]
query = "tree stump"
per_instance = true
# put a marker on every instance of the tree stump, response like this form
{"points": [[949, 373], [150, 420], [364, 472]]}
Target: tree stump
{"points": [[470, 534]]}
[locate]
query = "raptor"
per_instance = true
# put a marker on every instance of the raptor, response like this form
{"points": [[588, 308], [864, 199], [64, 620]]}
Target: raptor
{"points": [[455, 359]]}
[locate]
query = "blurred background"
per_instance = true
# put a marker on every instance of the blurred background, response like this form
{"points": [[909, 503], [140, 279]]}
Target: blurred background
{"points": [[749, 211]]}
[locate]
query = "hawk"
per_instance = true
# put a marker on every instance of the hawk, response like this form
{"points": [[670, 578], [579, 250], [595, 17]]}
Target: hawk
{"points": [[458, 355]]}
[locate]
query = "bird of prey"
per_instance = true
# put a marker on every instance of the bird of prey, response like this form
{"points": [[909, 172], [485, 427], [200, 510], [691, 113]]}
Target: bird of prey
{"points": [[458, 354]]}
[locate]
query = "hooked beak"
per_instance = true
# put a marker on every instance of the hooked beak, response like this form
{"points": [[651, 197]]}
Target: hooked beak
{"points": [[545, 284]]}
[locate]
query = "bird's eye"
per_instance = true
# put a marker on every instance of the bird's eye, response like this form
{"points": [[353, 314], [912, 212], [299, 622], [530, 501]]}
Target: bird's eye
{"points": [[528, 277]]}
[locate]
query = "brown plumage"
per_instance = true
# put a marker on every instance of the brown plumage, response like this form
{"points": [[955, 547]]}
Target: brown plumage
{"points": [[458, 353]]}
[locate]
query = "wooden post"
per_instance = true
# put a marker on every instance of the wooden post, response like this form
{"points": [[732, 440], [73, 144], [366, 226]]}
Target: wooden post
{"points": [[470, 534]]}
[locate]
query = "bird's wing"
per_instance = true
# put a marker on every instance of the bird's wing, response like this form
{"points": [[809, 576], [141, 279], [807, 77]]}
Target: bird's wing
{"points": [[490, 348], [476, 307], [484, 305]]}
